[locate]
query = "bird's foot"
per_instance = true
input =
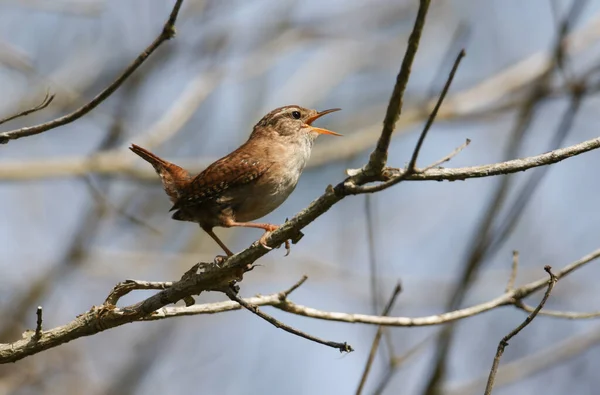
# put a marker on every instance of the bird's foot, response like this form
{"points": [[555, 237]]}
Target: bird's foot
{"points": [[219, 259], [263, 240], [265, 236]]}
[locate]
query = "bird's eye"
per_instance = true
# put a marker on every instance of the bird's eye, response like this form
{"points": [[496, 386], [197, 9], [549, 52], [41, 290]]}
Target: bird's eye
{"points": [[296, 114]]}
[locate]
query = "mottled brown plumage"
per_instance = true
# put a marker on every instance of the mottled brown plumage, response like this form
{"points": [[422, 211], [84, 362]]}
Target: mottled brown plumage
{"points": [[248, 183]]}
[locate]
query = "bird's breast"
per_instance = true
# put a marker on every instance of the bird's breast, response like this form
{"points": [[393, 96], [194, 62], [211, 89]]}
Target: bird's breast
{"points": [[275, 186]]}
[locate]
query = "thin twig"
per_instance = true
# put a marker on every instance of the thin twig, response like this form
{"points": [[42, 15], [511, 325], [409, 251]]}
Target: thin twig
{"points": [[38, 326], [375, 345], [460, 37], [569, 315], [167, 33], [125, 287], [376, 297], [294, 287], [372, 257], [47, 100], [343, 347], [413, 160], [451, 155], [378, 158], [504, 342]]}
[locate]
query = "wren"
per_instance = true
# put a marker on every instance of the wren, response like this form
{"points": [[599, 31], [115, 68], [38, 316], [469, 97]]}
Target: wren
{"points": [[248, 183]]}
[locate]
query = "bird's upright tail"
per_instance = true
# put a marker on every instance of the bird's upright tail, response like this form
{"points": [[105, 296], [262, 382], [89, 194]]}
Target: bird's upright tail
{"points": [[149, 157], [173, 177]]}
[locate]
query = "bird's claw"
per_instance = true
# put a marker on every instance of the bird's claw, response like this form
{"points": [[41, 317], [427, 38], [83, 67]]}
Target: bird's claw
{"points": [[263, 242], [288, 248], [219, 259]]}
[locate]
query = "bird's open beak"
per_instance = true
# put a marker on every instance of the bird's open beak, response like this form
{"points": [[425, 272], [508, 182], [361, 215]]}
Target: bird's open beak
{"points": [[310, 120]]}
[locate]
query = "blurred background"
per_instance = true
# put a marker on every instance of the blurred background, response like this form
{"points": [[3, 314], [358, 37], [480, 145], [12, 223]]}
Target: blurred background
{"points": [[81, 213]]}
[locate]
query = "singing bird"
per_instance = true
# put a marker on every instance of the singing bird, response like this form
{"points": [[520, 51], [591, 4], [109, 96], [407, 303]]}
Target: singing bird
{"points": [[248, 183]]}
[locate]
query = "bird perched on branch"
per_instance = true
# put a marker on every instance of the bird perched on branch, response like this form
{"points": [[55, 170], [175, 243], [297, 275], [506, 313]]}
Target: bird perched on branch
{"points": [[248, 183]]}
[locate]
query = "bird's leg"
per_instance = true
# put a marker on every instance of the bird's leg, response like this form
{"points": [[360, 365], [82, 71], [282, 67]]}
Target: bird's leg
{"points": [[268, 229], [219, 242]]}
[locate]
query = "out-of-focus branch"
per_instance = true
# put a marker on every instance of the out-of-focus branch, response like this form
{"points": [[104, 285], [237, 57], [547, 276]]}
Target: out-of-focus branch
{"points": [[475, 100], [376, 339], [79, 8], [167, 33], [486, 238], [399, 361], [74, 254], [218, 277], [504, 342], [470, 101], [570, 315]]}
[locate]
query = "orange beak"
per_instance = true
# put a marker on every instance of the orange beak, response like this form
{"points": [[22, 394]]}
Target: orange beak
{"points": [[310, 120]]}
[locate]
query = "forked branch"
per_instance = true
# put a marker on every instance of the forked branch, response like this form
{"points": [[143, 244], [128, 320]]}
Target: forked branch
{"points": [[504, 342]]}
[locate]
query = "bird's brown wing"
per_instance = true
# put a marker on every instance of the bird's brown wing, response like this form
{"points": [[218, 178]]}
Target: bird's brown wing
{"points": [[232, 171]]}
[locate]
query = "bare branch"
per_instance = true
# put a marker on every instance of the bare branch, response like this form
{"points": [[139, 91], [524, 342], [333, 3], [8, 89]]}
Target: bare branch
{"points": [[504, 342], [464, 173], [413, 160], [294, 287], [47, 100], [570, 315], [167, 33], [38, 326], [125, 287], [378, 158], [343, 347], [451, 155], [507, 298], [212, 278]]}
